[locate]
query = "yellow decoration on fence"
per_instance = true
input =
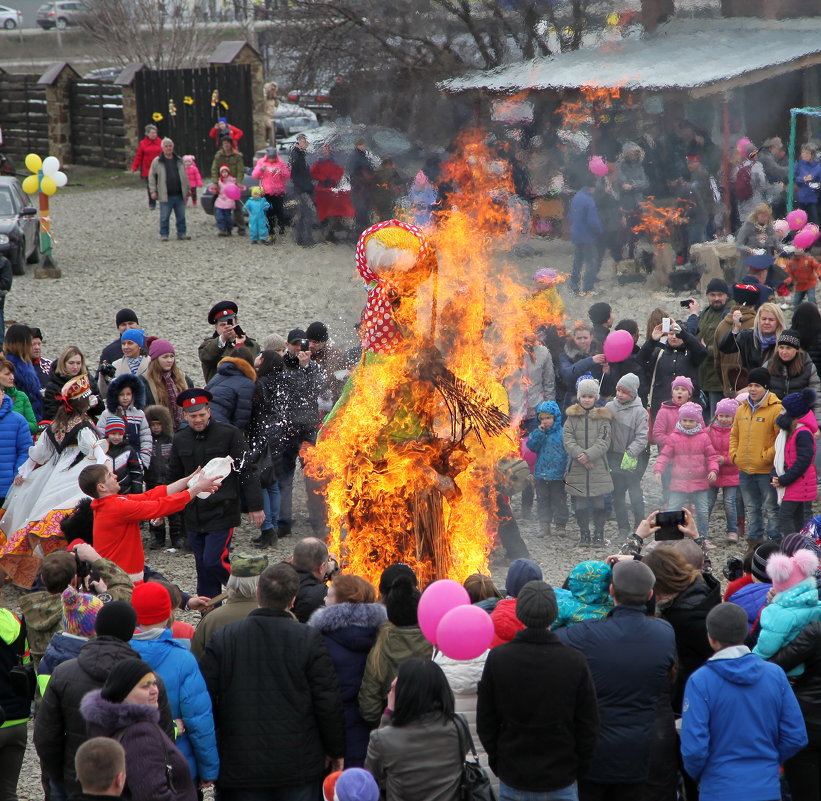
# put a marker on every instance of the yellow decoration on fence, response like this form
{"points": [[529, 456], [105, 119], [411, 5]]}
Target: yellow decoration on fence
{"points": [[224, 104], [156, 116], [188, 100]]}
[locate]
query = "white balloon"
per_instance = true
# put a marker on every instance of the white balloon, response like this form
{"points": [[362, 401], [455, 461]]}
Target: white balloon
{"points": [[60, 178], [50, 165]]}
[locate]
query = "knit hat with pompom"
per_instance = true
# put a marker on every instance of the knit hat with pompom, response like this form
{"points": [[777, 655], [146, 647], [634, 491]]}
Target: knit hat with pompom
{"points": [[787, 571]]}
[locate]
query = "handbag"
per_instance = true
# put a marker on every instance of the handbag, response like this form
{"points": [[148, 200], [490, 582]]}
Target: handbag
{"points": [[474, 784], [23, 679], [268, 466]]}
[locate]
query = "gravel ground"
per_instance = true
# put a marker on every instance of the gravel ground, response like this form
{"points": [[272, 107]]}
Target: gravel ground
{"points": [[107, 245]]}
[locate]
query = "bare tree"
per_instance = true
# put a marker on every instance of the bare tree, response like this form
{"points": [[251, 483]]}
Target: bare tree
{"points": [[161, 35]]}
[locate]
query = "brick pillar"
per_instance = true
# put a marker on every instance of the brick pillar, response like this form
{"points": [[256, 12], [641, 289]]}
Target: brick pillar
{"points": [[253, 59], [133, 132], [57, 81]]}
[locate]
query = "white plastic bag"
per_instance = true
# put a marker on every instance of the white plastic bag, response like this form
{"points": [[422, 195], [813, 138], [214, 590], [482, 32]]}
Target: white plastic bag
{"points": [[217, 469]]}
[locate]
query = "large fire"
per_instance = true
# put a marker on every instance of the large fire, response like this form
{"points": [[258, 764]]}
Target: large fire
{"points": [[408, 457], [656, 222]]}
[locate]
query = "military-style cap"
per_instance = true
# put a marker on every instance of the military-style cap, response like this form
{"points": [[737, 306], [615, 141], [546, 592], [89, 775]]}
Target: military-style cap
{"points": [[244, 565], [221, 310], [193, 399]]}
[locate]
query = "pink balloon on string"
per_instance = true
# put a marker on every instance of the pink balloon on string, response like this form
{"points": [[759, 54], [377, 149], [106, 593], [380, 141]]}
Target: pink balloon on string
{"points": [[797, 219], [618, 346], [528, 455], [233, 192], [805, 238], [597, 166], [436, 601], [464, 633]]}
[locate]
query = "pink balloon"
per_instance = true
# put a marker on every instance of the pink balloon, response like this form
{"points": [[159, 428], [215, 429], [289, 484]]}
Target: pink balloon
{"points": [[436, 601], [811, 227], [805, 239], [797, 219], [597, 165], [781, 228], [465, 632], [233, 191], [528, 455], [618, 346], [742, 145]]}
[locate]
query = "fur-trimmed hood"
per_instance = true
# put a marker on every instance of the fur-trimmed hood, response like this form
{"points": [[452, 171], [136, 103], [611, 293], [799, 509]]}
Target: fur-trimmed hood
{"points": [[330, 618], [596, 413], [116, 386], [111, 717], [162, 415], [231, 365]]}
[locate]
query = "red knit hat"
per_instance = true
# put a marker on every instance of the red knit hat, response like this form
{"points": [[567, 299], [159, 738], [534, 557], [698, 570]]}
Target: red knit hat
{"points": [[329, 784], [151, 602]]}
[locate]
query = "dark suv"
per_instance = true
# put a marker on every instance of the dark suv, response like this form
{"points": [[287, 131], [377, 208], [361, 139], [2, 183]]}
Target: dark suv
{"points": [[19, 226]]}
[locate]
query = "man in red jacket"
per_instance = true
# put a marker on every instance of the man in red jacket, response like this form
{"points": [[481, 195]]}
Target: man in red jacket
{"points": [[117, 517]]}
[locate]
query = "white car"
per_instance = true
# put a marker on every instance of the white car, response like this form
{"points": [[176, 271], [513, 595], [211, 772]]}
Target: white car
{"points": [[10, 18]]}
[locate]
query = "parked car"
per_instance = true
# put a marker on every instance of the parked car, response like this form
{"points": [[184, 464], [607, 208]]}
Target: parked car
{"points": [[317, 100], [10, 18], [291, 119], [61, 14], [19, 226]]}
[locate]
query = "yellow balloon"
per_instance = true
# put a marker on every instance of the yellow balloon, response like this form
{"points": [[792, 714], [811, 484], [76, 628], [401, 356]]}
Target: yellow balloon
{"points": [[47, 185], [30, 185], [34, 162]]}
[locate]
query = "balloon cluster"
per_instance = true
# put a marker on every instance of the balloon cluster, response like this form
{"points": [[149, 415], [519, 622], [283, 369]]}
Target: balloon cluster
{"points": [[796, 220], [47, 176], [448, 620]]}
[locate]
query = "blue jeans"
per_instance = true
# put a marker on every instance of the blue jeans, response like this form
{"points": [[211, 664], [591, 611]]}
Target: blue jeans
{"points": [[585, 255], [224, 218], [700, 504], [270, 504], [302, 792], [806, 294], [569, 793], [177, 204], [760, 504], [729, 501]]}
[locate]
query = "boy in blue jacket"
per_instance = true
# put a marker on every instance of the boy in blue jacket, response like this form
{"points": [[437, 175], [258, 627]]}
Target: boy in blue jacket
{"points": [[740, 719], [551, 463]]}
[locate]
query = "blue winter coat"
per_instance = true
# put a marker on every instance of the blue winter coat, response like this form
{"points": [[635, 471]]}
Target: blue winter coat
{"points": [[785, 616], [15, 441], [63, 646], [349, 631], [189, 700], [805, 194], [740, 721], [551, 457], [751, 598], [589, 598], [585, 225], [26, 379], [233, 391]]}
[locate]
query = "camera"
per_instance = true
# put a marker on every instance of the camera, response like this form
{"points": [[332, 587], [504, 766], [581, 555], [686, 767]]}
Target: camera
{"points": [[669, 523], [108, 370], [83, 568], [734, 569], [685, 304], [238, 331], [303, 344]]}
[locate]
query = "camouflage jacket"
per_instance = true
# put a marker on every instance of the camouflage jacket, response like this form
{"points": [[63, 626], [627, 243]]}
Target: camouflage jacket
{"points": [[43, 612]]}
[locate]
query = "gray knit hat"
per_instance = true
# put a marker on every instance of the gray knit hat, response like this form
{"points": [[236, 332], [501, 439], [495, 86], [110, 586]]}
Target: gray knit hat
{"points": [[587, 386], [727, 623], [630, 382], [536, 605]]}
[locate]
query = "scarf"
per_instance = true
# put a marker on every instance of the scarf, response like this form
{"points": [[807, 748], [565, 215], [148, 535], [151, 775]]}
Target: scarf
{"points": [[171, 390], [691, 432], [134, 364], [779, 460], [765, 342]]}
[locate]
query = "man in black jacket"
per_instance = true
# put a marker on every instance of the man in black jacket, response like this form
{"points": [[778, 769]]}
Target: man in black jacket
{"points": [[211, 522], [536, 712], [631, 657], [304, 189], [363, 178], [277, 709]]}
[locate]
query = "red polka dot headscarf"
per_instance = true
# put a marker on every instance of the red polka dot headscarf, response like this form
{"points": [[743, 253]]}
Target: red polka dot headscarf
{"points": [[378, 330]]}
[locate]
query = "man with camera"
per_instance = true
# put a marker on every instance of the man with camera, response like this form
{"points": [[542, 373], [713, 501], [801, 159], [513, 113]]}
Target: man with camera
{"points": [[43, 610], [124, 319], [227, 335]]}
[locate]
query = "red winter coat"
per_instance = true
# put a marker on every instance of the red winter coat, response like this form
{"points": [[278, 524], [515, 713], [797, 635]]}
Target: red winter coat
{"points": [[330, 202], [728, 472], [236, 134], [805, 487], [147, 151], [665, 423], [692, 457]]}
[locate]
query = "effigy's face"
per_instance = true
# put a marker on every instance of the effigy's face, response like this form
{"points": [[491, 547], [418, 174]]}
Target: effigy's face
{"points": [[393, 255]]}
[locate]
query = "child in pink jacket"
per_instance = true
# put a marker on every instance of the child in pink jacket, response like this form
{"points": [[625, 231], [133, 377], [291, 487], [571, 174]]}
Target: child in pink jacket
{"points": [[667, 415], [795, 479], [224, 205], [727, 480], [694, 466], [194, 178]]}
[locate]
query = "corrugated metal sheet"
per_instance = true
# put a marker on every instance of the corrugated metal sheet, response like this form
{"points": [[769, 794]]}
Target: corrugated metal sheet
{"points": [[684, 54]]}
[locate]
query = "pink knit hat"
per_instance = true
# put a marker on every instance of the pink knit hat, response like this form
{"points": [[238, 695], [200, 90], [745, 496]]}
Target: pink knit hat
{"points": [[727, 406], [159, 347], [682, 381], [690, 411], [787, 571]]}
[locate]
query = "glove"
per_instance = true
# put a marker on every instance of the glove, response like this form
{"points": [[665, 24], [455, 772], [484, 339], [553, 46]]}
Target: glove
{"points": [[629, 462], [788, 249]]}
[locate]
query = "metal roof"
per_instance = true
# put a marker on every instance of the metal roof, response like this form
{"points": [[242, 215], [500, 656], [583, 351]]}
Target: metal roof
{"points": [[695, 55]]}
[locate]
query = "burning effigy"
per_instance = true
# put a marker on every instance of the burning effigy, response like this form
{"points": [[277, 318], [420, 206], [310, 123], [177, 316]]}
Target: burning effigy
{"points": [[408, 457]]}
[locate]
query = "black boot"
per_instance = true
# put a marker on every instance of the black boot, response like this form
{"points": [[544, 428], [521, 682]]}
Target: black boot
{"points": [[157, 539], [284, 530], [178, 542], [267, 538], [583, 518], [599, 517]]}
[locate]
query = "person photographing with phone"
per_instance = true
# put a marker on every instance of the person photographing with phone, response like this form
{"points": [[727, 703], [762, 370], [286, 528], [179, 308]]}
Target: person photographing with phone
{"points": [[227, 335]]}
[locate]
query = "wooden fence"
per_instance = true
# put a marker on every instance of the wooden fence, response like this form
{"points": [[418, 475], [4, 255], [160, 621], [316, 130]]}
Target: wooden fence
{"points": [[97, 127], [23, 116]]}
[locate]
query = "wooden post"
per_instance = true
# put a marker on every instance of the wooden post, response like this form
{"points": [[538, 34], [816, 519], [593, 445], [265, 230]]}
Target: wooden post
{"points": [[57, 80], [133, 129]]}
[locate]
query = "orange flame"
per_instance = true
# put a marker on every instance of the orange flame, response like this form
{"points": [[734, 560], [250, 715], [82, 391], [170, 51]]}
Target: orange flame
{"points": [[594, 102], [406, 480], [657, 221]]}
